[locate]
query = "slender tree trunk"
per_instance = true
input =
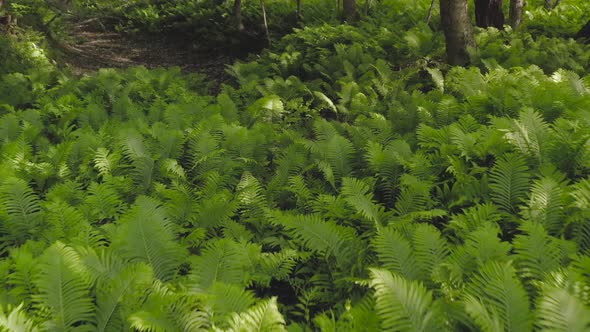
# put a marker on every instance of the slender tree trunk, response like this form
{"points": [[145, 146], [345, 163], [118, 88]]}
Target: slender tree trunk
{"points": [[458, 30], [238, 15], [430, 10], [263, 7], [488, 13], [549, 4], [349, 9], [516, 12], [584, 32], [299, 13]]}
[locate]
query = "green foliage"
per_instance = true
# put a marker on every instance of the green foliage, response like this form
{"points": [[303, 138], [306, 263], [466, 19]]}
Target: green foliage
{"points": [[347, 181]]}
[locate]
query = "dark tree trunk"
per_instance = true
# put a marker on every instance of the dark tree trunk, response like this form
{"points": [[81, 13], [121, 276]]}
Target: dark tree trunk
{"points": [[349, 9], [5, 21], [549, 4], [488, 13], [238, 15], [458, 30], [584, 33], [516, 11], [299, 13]]}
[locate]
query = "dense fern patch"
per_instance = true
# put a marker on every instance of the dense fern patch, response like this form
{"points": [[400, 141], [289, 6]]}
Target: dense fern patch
{"points": [[344, 183]]}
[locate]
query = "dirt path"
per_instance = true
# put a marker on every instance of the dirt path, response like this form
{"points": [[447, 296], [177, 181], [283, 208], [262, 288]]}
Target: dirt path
{"points": [[92, 48]]}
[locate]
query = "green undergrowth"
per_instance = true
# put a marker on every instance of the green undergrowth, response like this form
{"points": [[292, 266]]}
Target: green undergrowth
{"points": [[346, 181]]}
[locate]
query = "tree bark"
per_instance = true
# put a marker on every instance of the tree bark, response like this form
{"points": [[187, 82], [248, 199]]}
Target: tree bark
{"points": [[516, 13], [488, 13], [238, 15], [584, 33], [299, 13], [549, 4], [349, 9], [458, 30]]}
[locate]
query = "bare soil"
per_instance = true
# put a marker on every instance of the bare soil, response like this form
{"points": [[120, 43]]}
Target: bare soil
{"points": [[92, 47]]}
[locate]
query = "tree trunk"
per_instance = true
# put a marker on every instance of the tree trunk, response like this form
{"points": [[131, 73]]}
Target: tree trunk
{"points": [[5, 21], [349, 9], [584, 33], [458, 30], [299, 13], [488, 13], [549, 4], [238, 14], [516, 11]]}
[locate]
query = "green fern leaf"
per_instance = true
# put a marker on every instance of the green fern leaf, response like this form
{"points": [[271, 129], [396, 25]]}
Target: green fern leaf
{"points": [[396, 253], [559, 311], [500, 290], [22, 207], [509, 181], [402, 305], [318, 234], [145, 234], [358, 195], [546, 205], [263, 317], [16, 321], [64, 290], [221, 261]]}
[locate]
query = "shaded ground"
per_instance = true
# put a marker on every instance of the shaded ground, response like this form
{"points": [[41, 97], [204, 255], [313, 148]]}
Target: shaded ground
{"points": [[91, 47]]}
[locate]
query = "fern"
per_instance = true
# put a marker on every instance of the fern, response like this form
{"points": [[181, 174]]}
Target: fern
{"points": [[145, 234], [319, 235], [113, 293], [529, 133], [560, 311], [16, 321], [501, 292], [22, 207], [403, 305], [263, 317], [537, 254], [358, 195], [64, 290], [509, 181], [430, 249], [226, 299], [546, 205], [396, 253], [221, 261]]}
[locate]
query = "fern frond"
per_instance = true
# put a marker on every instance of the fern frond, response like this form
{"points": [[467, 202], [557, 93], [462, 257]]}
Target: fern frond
{"points": [[430, 249], [402, 305], [509, 181], [146, 234], [103, 201], [22, 207], [220, 261], [318, 234], [263, 317], [16, 321], [529, 133], [111, 294], [105, 162], [64, 289], [486, 318], [500, 290], [396, 253], [546, 205], [226, 299], [475, 217], [560, 311], [358, 195]]}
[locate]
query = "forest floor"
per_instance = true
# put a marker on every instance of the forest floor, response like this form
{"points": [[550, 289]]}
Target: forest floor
{"points": [[90, 47]]}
